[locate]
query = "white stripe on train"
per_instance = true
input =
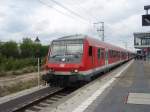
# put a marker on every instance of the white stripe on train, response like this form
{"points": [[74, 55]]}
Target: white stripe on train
{"points": [[98, 69]]}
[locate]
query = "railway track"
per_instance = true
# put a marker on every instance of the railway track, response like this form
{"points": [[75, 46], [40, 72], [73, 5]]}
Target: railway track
{"points": [[46, 101], [36, 101], [25, 101]]}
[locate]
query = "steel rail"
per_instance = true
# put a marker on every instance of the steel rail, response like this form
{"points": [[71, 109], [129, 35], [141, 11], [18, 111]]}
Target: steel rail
{"points": [[23, 101]]}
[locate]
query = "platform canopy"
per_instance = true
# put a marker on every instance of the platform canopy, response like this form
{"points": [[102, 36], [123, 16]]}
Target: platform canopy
{"points": [[142, 40]]}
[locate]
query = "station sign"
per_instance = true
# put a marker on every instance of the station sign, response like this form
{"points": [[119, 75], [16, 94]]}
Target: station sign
{"points": [[147, 7], [146, 20]]}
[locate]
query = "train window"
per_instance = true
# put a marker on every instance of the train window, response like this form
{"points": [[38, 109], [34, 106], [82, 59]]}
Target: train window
{"points": [[90, 50], [99, 53], [110, 53], [114, 54], [102, 53], [118, 54]]}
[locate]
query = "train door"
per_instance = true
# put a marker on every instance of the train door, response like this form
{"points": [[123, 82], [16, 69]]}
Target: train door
{"points": [[91, 55], [106, 57], [92, 59]]}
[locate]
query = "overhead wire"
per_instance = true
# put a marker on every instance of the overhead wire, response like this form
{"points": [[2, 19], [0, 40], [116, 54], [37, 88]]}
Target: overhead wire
{"points": [[40, 1], [85, 20], [84, 10], [69, 10], [62, 6]]}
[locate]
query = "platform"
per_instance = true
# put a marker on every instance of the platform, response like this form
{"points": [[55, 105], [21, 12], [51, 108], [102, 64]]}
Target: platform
{"points": [[130, 93]]}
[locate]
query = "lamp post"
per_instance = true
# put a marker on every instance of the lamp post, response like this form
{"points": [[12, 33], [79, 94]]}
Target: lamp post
{"points": [[37, 41]]}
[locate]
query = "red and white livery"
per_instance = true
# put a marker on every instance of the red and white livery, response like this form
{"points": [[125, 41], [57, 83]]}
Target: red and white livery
{"points": [[78, 58]]}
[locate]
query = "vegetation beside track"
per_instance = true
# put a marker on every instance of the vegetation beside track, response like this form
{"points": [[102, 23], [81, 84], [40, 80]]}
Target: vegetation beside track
{"points": [[20, 58], [16, 87]]}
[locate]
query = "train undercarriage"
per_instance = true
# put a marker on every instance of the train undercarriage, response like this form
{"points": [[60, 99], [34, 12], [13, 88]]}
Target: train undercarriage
{"points": [[63, 80]]}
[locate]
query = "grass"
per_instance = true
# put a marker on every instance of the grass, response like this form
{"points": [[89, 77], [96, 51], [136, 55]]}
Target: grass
{"points": [[18, 72], [11, 66], [16, 87]]}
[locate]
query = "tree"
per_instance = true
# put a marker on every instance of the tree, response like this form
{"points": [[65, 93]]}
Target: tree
{"points": [[0, 48], [29, 48], [26, 48], [44, 50], [10, 49]]}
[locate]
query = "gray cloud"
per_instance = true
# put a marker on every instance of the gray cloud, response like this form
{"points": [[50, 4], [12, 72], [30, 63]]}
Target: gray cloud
{"points": [[21, 18]]}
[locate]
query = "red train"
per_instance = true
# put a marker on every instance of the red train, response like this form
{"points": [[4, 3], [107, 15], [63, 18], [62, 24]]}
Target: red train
{"points": [[78, 58]]}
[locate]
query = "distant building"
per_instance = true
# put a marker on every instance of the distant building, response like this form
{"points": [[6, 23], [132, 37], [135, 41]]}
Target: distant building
{"points": [[37, 40], [142, 42]]}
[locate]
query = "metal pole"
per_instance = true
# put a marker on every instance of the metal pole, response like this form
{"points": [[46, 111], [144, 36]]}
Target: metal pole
{"points": [[38, 72], [100, 29], [103, 31], [146, 12], [125, 44]]}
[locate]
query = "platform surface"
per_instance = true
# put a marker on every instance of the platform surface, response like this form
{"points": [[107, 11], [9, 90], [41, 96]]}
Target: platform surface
{"points": [[130, 93]]}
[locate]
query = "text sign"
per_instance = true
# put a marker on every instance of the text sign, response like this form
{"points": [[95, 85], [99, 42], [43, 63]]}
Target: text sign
{"points": [[145, 20], [147, 7]]}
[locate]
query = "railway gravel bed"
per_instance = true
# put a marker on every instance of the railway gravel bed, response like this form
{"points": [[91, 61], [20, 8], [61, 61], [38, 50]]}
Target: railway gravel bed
{"points": [[8, 80], [23, 101], [47, 101]]}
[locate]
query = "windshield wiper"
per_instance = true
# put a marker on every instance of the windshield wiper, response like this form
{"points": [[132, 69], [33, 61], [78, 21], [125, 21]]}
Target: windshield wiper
{"points": [[73, 55], [53, 56]]}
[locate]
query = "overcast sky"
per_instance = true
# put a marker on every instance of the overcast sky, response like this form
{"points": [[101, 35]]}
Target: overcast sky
{"points": [[31, 18]]}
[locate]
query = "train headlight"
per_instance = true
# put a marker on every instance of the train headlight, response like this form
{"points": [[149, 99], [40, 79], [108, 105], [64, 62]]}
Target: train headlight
{"points": [[51, 70], [63, 59], [76, 71]]}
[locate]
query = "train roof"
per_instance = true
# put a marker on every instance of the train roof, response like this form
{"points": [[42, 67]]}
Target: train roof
{"points": [[70, 37], [93, 42], [98, 43]]}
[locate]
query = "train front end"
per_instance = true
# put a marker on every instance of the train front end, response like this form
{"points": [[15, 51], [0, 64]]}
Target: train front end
{"points": [[64, 61]]}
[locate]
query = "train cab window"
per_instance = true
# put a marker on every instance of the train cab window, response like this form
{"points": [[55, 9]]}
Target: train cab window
{"points": [[90, 50], [99, 53]]}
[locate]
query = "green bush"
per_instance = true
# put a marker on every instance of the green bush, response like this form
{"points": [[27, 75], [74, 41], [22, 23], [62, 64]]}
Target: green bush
{"points": [[16, 64], [9, 49], [17, 59]]}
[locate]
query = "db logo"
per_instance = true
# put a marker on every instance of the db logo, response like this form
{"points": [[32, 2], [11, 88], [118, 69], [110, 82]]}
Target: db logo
{"points": [[62, 65]]}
